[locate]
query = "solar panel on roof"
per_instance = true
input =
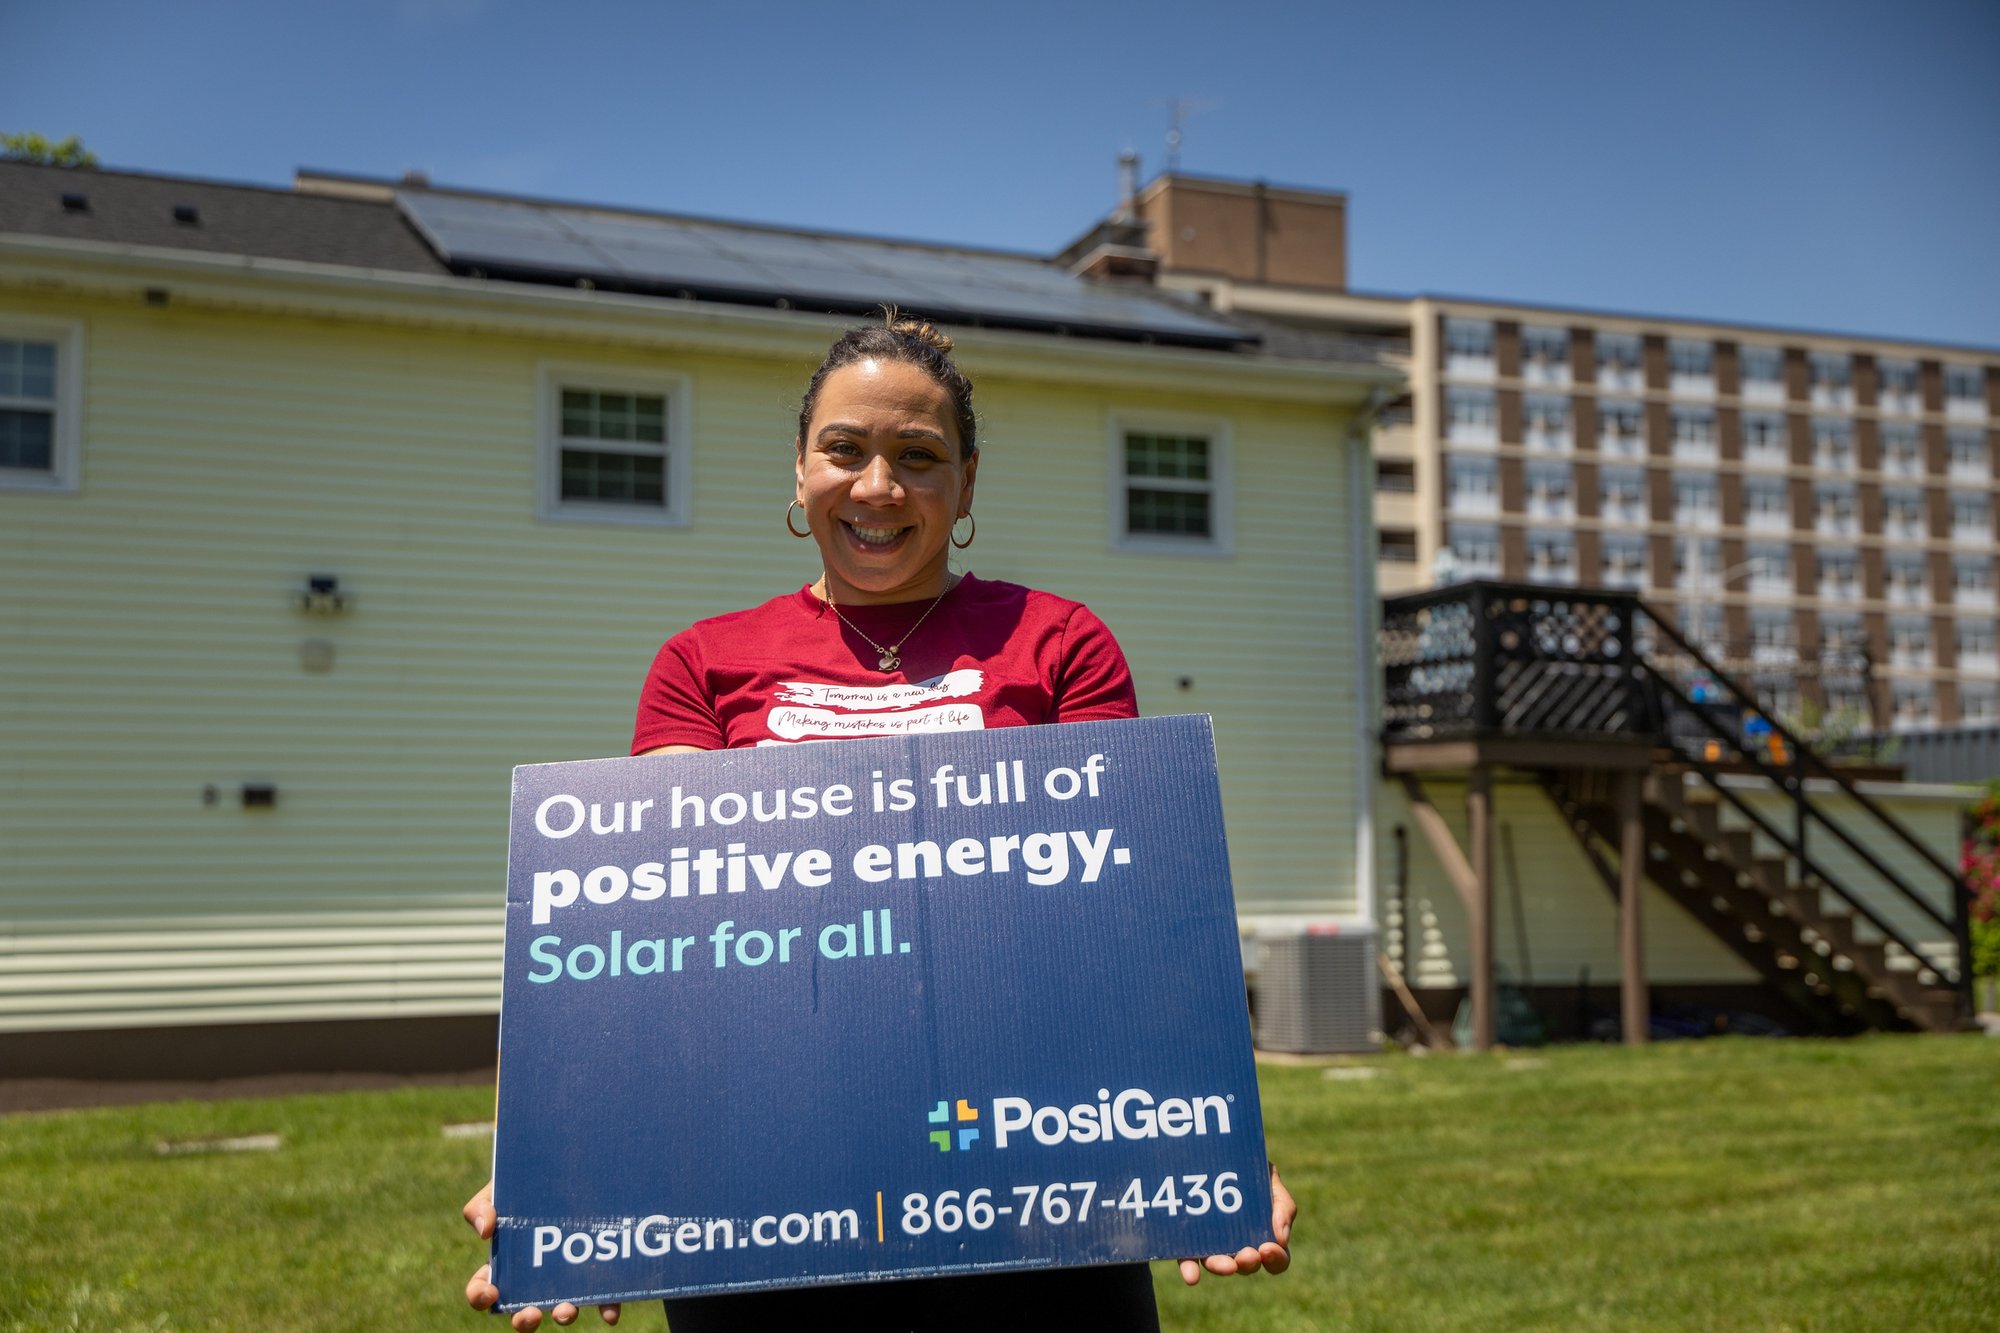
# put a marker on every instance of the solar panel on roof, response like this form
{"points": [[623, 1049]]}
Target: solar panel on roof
{"points": [[722, 261]]}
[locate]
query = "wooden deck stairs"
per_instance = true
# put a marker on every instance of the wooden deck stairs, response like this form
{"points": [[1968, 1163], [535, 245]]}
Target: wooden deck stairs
{"points": [[1668, 771]]}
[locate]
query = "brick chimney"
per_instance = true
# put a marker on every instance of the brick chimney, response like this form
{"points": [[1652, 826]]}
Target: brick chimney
{"points": [[1247, 231]]}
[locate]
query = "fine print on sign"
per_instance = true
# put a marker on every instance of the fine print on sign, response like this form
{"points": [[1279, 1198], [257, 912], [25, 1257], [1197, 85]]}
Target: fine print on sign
{"points": [[885, 1008]]}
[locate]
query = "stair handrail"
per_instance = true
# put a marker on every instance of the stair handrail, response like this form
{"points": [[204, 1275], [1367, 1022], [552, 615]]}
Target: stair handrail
{"points": [[1796, 747], [1712, 774], [1958, 923]]}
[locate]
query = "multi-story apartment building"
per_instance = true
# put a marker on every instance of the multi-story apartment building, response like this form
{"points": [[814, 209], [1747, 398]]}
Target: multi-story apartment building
{"points": [[1816, 509]]}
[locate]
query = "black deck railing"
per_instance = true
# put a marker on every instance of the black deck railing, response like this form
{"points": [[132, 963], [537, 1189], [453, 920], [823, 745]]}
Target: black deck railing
{"points": [[1490, 660]]}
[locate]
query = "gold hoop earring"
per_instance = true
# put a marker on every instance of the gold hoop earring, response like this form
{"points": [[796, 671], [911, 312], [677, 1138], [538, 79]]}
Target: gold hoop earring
{"points": [[788, 521], [961, 545]]}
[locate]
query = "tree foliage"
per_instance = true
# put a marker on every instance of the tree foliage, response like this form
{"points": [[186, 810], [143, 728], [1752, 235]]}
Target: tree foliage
{"points": [[31, 147]]}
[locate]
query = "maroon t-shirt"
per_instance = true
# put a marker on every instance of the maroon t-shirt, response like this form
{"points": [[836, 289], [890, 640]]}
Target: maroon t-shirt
{"points": [[988, 655]]}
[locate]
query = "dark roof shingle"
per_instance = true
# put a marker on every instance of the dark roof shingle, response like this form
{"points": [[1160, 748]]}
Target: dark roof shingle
{"points": [[128, 208]]}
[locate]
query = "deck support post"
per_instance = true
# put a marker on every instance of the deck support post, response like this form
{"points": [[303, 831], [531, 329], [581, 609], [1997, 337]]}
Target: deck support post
{"points": [[1479, 820], [1634, 1010]]}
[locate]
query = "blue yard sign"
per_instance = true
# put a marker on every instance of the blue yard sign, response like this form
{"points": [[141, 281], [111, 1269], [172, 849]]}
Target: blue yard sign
{"points": [[843, 1013]]}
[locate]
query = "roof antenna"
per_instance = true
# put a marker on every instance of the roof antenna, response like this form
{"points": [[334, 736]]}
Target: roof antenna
{"points": [[1178, 110], [1128, 186]]}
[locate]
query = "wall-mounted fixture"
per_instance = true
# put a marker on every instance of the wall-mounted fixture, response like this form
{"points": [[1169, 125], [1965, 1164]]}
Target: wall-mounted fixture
{"points": [[187, 215], [259, 796], [76, 203], [322, 596]]}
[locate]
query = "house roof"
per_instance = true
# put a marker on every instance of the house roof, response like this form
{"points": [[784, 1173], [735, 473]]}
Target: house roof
{"points": [[409, 227], [745, 263], [132, 208]]}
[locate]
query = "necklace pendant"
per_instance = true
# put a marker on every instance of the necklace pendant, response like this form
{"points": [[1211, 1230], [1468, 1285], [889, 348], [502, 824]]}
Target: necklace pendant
{"points": [[888, 661]]}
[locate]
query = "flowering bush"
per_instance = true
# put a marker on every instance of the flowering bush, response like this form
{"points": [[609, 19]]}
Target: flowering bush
{"points": [[1981, 864]]}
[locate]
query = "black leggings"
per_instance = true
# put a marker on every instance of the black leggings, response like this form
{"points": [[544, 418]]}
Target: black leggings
{"points": [[1113, 1299]]}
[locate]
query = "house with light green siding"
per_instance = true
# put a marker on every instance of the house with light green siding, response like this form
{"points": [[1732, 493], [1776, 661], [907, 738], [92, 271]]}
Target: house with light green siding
{"points": [[324, 508]]}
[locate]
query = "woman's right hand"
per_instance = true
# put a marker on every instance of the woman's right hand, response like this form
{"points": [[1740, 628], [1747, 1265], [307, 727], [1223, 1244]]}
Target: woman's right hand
{"points": [[481, 1294]]}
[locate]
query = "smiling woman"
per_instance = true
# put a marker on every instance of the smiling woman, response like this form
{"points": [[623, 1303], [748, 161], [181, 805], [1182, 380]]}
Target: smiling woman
{"points": [[887, 458], [888, 642]]}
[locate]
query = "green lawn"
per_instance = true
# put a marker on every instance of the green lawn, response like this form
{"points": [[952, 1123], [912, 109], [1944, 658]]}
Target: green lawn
{"points": [[1732, 1184]]}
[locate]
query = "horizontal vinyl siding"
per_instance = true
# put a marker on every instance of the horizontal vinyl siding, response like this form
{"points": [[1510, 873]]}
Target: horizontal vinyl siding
{"points": [[1264, 635], [149, 647]]}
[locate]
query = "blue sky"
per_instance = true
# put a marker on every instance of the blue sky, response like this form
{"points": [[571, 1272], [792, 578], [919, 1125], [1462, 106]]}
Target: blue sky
{"points": [[1824, 164]]}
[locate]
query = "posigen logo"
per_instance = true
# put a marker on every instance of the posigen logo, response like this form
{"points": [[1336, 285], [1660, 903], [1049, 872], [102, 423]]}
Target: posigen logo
{"points": [[1131, 1114], [942, 1114]]}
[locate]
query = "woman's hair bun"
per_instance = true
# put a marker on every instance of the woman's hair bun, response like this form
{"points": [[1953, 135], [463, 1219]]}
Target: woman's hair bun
{"points": [[920, 329]]}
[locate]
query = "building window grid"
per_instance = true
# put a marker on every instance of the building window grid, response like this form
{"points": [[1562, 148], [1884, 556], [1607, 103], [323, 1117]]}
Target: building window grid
{"points": [[1468, 345], [1706, 552], [1770, 570], [1548, 421], [1477, 549], [1621, 494], [1622, 564], [1902, 514], [1965, 385], [1618, 360], [1835, 506], [1902, 452], [1833, 444], [1693, 433], [1839, 575], [1909, 641], [1911, 704], [1695, 499], [1896, 386], [1906, 579], [1545, 355], [1691, 367], [1973, 642], [1764, 441], [1972, 581], [1549, 492], [1966, 454], [1971, 517]]}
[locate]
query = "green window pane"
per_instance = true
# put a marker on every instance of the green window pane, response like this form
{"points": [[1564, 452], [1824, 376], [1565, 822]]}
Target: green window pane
{"points": [[636, 479], [1179, 456], [27, 440], [38, 370], [614, 416], [649, 419], [1174, 513], [1195, 456], [649, 481]]}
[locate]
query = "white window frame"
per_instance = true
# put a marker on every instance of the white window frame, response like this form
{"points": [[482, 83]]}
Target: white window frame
{"points": [[552, 377], [1221, 539], [65, 474]]}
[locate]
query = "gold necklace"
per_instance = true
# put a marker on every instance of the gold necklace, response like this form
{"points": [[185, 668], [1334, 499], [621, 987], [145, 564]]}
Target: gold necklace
{"points": [[888, 658]]}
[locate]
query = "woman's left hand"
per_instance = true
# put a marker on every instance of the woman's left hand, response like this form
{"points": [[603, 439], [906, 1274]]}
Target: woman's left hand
{"points": [[1273, 1256]]}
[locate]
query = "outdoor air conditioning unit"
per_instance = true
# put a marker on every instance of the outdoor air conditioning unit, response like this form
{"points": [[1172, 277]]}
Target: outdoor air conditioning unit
{"points": [[1317, 989]]}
